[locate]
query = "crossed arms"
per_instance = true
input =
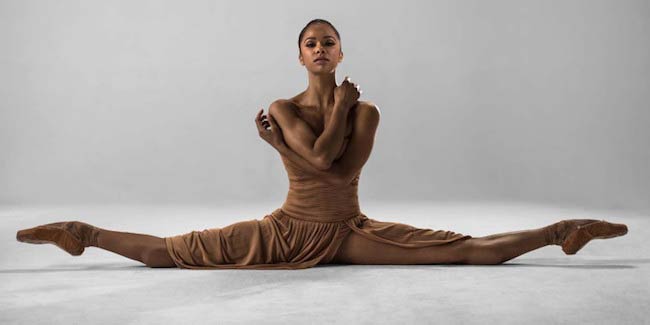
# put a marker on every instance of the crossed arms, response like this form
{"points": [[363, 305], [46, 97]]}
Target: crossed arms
{"points": [[318, 154]]}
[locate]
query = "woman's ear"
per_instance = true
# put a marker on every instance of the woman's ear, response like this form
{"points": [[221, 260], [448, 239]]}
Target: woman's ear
{"points": [[301, 60], [340, 56]]}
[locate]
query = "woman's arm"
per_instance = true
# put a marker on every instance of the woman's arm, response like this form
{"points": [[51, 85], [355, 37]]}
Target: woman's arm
{"points": [[322, 150], [343, 170], [366, 121], [304, 164], [318, 151], [274, 137]]}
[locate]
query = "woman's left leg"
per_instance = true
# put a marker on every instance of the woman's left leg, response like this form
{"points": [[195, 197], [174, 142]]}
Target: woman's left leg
{"points": [[502, 247], [572, 235], [493, 249]]}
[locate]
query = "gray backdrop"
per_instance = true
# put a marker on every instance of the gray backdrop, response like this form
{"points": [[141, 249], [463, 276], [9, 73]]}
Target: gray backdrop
{"points": [[153, 102]]}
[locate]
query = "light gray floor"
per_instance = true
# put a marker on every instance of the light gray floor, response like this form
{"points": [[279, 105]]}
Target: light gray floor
{"points": [[606, 282]]}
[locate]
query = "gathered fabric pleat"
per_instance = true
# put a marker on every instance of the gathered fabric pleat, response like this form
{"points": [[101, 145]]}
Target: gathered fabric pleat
{"points": [[307, 230], [275, 242], [402, 235]]}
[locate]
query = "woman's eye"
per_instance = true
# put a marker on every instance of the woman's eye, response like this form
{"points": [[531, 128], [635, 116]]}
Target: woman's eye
{"points": [[328, 44]]}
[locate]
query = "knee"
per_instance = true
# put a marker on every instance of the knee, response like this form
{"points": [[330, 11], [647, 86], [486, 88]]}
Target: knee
{"points": [[484, 252], [155, 258]]}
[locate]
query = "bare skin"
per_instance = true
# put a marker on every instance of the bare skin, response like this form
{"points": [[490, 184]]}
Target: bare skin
{"points": [[302, 127], [329, 132]]}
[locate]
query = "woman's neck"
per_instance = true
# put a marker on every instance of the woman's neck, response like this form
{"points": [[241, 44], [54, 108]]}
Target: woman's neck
{"points": [[320, 92]]}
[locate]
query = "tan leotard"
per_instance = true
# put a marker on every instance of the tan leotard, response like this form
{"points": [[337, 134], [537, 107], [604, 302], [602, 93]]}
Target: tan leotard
{"points": [[305, 231]]}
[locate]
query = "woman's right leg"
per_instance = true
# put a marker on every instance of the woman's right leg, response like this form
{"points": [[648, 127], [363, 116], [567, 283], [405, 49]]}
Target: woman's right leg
{"points": [[74, 236], [150, 250]]}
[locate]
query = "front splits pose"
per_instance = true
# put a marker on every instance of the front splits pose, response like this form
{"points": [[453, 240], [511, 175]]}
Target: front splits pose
{"points": [[324, 136]]}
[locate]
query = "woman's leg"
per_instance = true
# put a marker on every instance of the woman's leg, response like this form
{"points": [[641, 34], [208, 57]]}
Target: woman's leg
{"points": [[74, 236], [493, 249], [502, 247], [150, 250]]}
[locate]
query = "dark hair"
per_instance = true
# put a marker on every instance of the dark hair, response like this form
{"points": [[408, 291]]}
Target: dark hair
{"points": [[316, 21]]}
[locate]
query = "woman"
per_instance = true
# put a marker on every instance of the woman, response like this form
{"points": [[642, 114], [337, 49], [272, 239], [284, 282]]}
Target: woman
{"points": [[325, 136]]}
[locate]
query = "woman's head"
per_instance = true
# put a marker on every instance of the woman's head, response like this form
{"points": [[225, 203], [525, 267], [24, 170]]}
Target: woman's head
{"points": [[319, 39]]}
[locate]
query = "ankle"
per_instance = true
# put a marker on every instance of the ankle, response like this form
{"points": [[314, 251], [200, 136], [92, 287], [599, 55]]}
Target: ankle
{"points": [[95, 236], [551, 234]]}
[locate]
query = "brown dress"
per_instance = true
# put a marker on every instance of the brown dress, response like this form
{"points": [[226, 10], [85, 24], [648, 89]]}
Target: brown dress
{"points": [[307, 230]]}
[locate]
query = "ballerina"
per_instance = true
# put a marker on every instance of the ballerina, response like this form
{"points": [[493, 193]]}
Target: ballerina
{"points": [[324, 136]]}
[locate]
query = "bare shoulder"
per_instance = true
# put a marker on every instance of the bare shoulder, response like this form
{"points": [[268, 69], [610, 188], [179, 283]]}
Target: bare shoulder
{"points": [[368, 110], [281, 103], [282, 106]]}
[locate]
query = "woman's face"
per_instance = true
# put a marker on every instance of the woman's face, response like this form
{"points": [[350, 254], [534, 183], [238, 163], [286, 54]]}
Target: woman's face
{"points": [[320, 50]]}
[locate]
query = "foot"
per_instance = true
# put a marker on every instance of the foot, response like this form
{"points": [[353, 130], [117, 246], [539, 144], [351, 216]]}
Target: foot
{"points": [[574, 234], [71, 236]]}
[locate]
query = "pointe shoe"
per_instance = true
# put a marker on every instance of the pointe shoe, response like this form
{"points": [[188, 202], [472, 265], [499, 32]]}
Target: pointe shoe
{"points": [[71, 236], [574, 234], [583, 233]]}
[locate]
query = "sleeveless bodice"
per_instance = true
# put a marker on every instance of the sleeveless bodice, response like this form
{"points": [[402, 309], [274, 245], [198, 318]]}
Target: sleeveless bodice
{"points": [[312, 198], [309, 229]]}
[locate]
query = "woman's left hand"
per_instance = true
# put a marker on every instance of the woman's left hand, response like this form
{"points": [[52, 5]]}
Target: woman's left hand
{"points": [[273, 135]]}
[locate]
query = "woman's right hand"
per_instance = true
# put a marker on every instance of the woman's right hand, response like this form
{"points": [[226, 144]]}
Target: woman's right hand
{"points": [[269, 130], [346, 94]]}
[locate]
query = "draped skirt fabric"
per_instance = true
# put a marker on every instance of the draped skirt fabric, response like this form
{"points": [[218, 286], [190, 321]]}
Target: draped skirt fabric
{"points": [[281, 241]]}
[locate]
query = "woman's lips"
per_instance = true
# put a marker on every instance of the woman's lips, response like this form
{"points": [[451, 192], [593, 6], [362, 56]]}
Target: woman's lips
{"points": [[321, 61]]}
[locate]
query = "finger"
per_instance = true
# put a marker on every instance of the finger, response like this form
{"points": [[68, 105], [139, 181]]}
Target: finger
{"points": [[258, 123], [257, 117], [274, 125]]}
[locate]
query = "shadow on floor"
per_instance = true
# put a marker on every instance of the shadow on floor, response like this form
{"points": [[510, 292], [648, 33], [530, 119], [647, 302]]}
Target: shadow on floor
{"points": [[628, 263], [84, 267]]}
